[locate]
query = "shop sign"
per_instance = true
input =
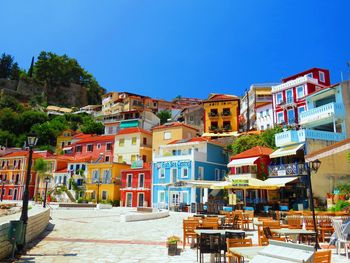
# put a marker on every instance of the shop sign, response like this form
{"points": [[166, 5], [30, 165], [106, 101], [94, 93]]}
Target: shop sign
{"points": [[240, 182], [171, 164], [179, 183], [137, 164], [281, 172]]}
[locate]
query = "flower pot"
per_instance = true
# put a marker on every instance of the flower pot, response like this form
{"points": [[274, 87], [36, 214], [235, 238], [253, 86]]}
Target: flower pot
{"points": [[172, 248]]}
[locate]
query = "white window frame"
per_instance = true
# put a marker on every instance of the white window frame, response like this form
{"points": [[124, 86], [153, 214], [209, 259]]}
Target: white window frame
{"points": [[127, 180], [201, 168], [292, 97], [297, 88], [262, 127], [159, 194], [160, 173], [267, 112], [126, 198], [278, 119], [104, 191], [143, 181], [322, 79], [182, 172], [310, 75], [277, 100], [94, 179], [301, 107], [167, 135], [105, 173]]}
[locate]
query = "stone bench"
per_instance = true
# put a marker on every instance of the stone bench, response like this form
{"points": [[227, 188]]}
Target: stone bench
{"points": [[74, 205], [144, 209]]}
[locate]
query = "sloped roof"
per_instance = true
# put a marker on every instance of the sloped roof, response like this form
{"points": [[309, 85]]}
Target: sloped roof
{"points": [[173, 124], [25, 154], [133, 130], [96, 138], [253, 152], [222, 97], [326, 151], [195, 139]]}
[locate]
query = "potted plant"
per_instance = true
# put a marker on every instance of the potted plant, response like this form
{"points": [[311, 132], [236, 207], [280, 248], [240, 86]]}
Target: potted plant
{"points": [[172, 245]]}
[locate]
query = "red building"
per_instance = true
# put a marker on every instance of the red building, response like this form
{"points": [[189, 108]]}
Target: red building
{"points": [[97, 146], [289, 97], [136, 185], [13, 170], [253, 162]]}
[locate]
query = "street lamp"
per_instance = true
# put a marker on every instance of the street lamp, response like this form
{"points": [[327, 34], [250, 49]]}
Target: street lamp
{"points": [[31, 142], [315, 165], [47, 180]]}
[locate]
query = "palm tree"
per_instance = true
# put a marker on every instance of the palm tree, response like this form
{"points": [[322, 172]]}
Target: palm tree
{"points": [[41, 167]]}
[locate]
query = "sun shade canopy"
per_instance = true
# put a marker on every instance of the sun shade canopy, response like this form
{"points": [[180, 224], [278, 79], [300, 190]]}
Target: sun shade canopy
{"points": [[242, 162], [286, 151]]}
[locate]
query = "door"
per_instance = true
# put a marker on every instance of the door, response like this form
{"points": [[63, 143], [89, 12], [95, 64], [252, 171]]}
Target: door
{"points": [[141, 198], [175, 198], [15, 195], [291, 116], [128, 200]]}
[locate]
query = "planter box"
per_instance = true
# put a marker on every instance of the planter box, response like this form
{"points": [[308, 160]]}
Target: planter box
{"points": [[172, 249]]}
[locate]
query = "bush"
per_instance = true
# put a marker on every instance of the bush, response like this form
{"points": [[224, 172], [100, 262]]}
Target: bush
{"points": [[340, 206]]}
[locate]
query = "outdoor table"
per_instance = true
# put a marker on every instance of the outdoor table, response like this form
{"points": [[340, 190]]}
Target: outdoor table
{"points": [[298, 232], [246, 252], [221, 231]]}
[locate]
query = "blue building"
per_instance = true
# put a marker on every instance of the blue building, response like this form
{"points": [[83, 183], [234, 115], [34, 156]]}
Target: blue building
{"points": [[184, 170]]}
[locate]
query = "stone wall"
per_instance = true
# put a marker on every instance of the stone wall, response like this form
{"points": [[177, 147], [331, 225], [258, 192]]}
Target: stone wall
{"points": [[37, 223]]}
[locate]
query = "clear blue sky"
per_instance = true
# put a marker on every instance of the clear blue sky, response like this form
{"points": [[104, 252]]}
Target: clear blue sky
{"points": [[165, 48]]}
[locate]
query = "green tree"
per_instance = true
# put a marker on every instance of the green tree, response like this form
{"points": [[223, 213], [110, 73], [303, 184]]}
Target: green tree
{"points": [[92, 127], [30, 118], [246, 142], [164, 115], [10, 102], [7, 138], [9, 121], [268, 136]]}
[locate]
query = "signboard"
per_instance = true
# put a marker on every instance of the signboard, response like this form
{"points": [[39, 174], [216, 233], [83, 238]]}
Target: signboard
{"points": [[171, 164], [240, 182], [281, 172], [137, 164], [179, 183]]}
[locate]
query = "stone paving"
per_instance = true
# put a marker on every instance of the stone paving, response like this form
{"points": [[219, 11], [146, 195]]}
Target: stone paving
{"points": [[80, 235]]}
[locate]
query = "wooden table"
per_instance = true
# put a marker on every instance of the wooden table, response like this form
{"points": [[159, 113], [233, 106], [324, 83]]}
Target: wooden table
{"points": [[297, 232], [246, 252], [221, 231]]}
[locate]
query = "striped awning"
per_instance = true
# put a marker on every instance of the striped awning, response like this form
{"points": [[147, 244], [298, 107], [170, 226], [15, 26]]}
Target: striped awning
{"points": [[242, 162], [286, 151]]}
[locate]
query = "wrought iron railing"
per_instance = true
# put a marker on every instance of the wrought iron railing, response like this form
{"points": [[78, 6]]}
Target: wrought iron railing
{"points": [[287, 169]]}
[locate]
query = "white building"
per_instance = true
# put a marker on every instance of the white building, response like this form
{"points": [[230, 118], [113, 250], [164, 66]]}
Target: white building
{"points": [[264, 116]]}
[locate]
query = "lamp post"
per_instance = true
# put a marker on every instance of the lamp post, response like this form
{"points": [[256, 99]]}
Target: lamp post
{"points": [[47, 180], [315, 165], [31, 142]]}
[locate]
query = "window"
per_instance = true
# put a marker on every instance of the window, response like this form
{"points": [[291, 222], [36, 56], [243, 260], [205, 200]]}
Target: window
{"points": [[184, 172], [161, 173], [280, 117], [144, 141], [217, 174], [133, 140], [133, 157], [262, 127], [78, 148], [173, 174], [109, 146], [104, 195], [141, 180], [300, 92], [129, 180], [261, 114], [83, 167], [289, 95], [107, 177], [99, 146], [121, 142], [321, 74], [90, 147], [200, 173], [144, 158], [279, 98], [71, 167], [107, 159], [10, 192], [223, 173], [310, 75], [268, 126], [120, 158], [95, 176], [161, 197], [267, 112], [300, 110], [167, 135]]}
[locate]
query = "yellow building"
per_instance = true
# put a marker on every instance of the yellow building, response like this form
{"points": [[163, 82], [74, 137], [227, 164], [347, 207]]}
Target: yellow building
{"points": [[221, 115], [104, 180], [169, 132], [64, 140]]}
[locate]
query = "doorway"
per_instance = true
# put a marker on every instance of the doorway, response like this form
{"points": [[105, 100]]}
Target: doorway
{"points": [[128, 200], [141, 199]]}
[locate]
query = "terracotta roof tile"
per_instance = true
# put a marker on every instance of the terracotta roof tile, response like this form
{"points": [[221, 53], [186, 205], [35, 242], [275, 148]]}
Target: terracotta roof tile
{"points": [[97, 138], [133, 130], [195, 139], [221, 97], [253, 152], [173, 124]]}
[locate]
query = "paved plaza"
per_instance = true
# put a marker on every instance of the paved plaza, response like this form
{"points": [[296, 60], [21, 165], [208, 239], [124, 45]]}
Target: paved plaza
{"points": [[81, 235]]}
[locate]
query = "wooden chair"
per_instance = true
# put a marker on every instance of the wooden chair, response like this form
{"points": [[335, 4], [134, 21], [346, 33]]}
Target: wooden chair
{"points": [[323, 256], [249, 218], [294, 222], [188, 231], [210, 223], [262, 239], [272, 224], [325, 228], [234, 242]]}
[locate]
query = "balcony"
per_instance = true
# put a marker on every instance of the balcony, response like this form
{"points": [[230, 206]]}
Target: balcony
{"points": [[289, 169], [294, 83], [300, 136], [322, 115], [226, 114], [213, 115]]}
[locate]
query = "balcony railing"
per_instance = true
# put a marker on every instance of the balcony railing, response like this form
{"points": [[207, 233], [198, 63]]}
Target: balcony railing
{"points": [[293, 83], [287, 169], [322, 113], [293, 136], [213, 115], [226, 114]]}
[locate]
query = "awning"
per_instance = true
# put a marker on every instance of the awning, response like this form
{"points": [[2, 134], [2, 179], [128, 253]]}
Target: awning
{"points": [[67, 148], [335, 148], [242, 162], [129, 124], [280, 182], [242, 182], [190, 183], [286, 151]]}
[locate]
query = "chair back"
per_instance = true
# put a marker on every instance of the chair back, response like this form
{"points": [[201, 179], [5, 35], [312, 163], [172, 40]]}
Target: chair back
{"points": [[209, 224], [236, 235], [234, 242], [189, 225], [272, 224], [323, 256], [337, 228], [294, 222], [210, 243], [267, 232]]}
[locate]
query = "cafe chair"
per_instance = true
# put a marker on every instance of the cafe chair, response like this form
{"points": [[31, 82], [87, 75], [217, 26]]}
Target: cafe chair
{"points": [[230, 235], [341, 237], [209, 244], [323, 256], [189, 226], [234, 242]]}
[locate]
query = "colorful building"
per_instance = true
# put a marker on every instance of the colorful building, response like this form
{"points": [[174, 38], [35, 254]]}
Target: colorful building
{"points": [[193, 115], [221, 114], [64, 140], [136, 185], [182, 168], [289, 97], [13, 170], [133, 144], [168, 132], [264, 116], [104, 180], [257, 95]]}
